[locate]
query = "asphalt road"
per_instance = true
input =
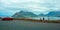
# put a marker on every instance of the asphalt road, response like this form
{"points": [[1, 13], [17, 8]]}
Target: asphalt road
{"points": [[27, 25]]}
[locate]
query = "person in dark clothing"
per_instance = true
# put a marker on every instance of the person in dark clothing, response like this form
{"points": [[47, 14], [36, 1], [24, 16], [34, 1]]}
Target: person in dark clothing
{"points": [[43, 18]]}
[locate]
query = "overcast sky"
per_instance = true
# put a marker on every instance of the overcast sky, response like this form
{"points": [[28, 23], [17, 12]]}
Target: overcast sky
{"points": [[9, 7]]}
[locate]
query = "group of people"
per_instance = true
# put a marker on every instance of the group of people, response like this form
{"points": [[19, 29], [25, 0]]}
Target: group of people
{"points": [[42, 18]]}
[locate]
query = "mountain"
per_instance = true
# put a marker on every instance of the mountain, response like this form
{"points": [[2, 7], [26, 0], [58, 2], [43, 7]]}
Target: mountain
{"points": [[54, 13], [41, 15], [17, 14], [24, 14], [30, 14]]}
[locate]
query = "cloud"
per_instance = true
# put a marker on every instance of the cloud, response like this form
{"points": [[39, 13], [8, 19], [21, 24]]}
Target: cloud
{"points": [[35, 6]]}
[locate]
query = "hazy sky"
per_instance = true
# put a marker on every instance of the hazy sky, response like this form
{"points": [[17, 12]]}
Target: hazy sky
{"points": [[9, 7]]}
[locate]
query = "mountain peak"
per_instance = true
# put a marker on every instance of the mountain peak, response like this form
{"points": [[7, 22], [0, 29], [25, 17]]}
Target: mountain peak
{"points": [[24, 14]]}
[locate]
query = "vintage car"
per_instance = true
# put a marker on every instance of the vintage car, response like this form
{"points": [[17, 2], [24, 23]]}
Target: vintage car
{"points": [[7, 18]]}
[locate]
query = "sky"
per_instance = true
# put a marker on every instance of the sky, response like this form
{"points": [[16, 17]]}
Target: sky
{"points": [[9, 7]]}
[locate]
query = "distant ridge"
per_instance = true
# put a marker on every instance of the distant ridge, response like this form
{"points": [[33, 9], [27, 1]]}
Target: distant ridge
{"points": [[54, 13], [24, 14]]}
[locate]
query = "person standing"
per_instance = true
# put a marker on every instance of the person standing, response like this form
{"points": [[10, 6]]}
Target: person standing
{"points": [[43, 19]]}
